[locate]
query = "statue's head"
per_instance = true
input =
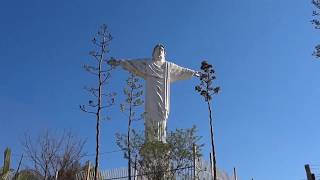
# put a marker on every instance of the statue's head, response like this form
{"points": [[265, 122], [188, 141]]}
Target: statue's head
{"points": [[159, 53]]}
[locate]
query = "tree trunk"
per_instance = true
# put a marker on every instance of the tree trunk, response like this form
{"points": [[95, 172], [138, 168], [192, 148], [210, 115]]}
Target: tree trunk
{"points": [[98, 120], [212, 144]]}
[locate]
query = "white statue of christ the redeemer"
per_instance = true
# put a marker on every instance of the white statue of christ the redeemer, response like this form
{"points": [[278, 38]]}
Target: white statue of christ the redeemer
{"points": [[159, 74]]}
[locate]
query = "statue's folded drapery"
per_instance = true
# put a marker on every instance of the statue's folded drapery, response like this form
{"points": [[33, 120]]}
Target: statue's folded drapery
{"points": [[158, 76]]}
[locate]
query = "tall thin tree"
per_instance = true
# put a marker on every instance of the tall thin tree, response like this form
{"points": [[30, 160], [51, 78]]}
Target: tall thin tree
{"points": [[102, 71], [133, 92], [207, 90]]}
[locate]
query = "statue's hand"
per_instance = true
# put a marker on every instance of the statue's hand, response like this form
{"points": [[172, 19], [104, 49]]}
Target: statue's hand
{"points": [[197, 74], [113, 62]]}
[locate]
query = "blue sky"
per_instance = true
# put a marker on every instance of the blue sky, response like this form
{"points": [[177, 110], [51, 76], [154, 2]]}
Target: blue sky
{"points": [[266, 117]]}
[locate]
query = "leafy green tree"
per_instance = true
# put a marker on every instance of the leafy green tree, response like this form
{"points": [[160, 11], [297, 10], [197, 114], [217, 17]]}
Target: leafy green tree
{"points": [[157, 160]]}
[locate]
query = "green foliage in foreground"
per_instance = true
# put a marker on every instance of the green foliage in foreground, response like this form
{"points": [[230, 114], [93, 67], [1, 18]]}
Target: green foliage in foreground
{"points": [[157, 159]]}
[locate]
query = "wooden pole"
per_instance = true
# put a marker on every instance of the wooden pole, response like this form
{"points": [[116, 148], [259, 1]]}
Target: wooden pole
{"points": [[88, 171], [235, 174], [211, 166], [135, 168], [56, 175], [194, 150]]}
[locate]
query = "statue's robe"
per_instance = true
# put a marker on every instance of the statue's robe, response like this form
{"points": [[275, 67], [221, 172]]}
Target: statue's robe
{"points": [[158, 75]]}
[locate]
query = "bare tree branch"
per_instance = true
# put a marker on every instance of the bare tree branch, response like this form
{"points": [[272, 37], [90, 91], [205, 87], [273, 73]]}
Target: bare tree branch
{"points": [[82, 107], [91, 69], [51, 154]]}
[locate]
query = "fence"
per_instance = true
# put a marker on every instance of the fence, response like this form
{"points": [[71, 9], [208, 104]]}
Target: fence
{"points": [[203, 172], [122, 174]]}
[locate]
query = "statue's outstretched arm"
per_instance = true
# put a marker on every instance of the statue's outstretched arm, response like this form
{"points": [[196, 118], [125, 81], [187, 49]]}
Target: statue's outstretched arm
{"points": [[113, 62], [181, 73], [135, 66]]}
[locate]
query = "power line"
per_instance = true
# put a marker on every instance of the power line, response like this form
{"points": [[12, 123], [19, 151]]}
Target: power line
{"points": [[103, 153]]}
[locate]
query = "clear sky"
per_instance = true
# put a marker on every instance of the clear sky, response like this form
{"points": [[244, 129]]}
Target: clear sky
{"points": [[266, 118]]}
